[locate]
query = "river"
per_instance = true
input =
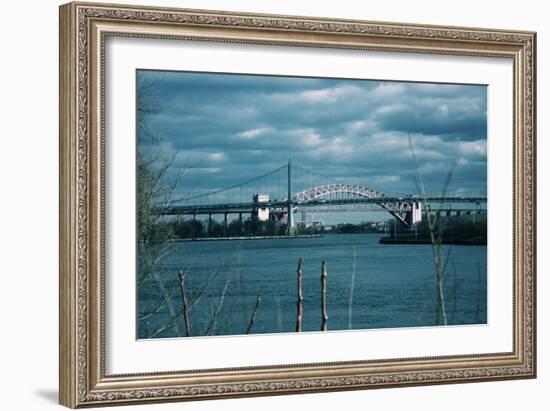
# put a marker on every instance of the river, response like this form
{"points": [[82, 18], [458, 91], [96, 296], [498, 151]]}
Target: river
{"points": [[393, 285]]}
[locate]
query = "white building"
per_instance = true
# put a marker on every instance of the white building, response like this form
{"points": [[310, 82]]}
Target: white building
{"points": [[261, 214]]}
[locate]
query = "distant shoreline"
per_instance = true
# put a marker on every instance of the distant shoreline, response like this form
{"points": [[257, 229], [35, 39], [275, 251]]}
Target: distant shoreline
{"points": [[446, 241], [260, 237]]}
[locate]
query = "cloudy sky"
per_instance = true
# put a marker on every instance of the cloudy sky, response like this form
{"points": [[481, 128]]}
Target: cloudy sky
{"points": [[231, 128]]}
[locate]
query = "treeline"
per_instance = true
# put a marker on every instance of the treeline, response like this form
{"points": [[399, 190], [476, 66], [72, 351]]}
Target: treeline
{"points": [[349, 228], [189, 228], [453, 229]]}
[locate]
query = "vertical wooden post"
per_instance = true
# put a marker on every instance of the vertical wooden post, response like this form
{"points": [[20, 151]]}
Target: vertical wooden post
{"points": [[324, 324], [253, 318], [185, 306], [299, 303]]}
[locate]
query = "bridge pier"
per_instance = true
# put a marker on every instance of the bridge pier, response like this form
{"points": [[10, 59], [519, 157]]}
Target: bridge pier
{"points": [[209, 224], [290, 228], [225, 224]]}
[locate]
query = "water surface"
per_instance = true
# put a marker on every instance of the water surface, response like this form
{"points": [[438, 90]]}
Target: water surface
{"points": [[393, 285]]}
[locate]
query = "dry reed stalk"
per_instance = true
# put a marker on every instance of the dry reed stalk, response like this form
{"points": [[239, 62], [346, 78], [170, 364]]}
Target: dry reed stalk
{"points": [[478, 296], [350, 302], [185, 306], [324, 324], [436, 238], [217, 310], [455, 286], [300, 301]]}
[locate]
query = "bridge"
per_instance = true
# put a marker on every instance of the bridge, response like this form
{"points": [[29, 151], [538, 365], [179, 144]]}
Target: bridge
{"points": [[281, 193]]}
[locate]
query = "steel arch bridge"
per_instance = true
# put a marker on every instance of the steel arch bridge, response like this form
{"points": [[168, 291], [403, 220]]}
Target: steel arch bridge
{"points": [[316, 192], [273, 195], [398, 209]]}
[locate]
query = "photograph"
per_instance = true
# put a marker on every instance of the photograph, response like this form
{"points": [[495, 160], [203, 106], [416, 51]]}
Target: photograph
{"points": [[283, 204], [263, 202]]}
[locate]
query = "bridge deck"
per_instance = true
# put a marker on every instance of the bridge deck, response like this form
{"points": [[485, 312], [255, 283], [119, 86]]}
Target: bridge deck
{"points": [[236, 208]]}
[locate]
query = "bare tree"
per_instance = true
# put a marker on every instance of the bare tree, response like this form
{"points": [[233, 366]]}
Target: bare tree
{"points": [[152, 187], [158, 178], [435, 227]]}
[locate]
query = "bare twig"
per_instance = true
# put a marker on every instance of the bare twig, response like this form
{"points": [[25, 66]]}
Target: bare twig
{"points": [[152, 264], [436, 237], [447, 258], [184, 303], [156, 308], [352, 286], [166, 326], [324, 324], [478, 297], [279, 314], [212, 327], [455, 287], [253, 317], [161, 303], [189, 310], [204, 289], [300, 301], [166, 296], [240, 286], [216, 312]]}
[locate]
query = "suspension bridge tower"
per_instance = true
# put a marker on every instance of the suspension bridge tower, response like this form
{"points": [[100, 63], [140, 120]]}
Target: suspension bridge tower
{"points": [[291, 227]]}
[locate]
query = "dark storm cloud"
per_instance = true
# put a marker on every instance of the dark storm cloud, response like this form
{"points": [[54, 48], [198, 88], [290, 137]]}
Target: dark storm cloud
{"points": [[464, 119], [234, 127]]}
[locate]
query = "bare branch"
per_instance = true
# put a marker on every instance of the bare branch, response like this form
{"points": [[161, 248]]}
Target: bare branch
{"points": [[166, 297], [435, 228], [215, 314], [184, 303], [204, 289]]}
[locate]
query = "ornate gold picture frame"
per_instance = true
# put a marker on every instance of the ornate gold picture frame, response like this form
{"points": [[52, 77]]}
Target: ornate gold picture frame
{"points": [[84, 30]]}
